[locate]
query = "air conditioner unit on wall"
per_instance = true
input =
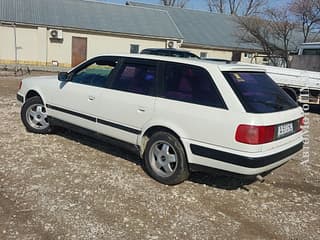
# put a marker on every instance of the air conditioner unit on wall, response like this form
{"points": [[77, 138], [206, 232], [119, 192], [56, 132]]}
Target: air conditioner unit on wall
{"points": [[172, 44], [55, 34]]}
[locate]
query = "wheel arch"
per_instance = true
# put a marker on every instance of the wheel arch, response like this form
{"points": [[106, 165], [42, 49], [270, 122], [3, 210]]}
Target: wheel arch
{"points": [[144, 138], [32, 93]]}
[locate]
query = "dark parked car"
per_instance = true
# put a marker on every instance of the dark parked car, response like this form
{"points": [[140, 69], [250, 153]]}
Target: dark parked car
{"points": [[217, 60], [170, 52]]}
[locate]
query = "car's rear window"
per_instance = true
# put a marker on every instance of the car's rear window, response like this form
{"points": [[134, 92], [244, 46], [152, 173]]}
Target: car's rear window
{"points": [[258, 93]]}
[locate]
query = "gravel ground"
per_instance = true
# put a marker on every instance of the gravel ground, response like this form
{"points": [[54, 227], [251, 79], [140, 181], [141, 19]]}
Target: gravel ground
{"points": [[67, 186]]}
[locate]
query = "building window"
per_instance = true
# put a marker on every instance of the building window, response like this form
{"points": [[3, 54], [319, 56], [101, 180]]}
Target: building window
{"points": [[248, 55], [134, 48], [203, 54]]}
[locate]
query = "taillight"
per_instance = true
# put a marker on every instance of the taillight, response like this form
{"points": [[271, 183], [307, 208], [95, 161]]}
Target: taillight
{"points": [[20, 85], [251, 134], [301, 124]]}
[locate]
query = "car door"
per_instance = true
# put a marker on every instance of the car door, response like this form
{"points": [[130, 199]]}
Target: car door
{"points": [[76, 100], [129, 102]]}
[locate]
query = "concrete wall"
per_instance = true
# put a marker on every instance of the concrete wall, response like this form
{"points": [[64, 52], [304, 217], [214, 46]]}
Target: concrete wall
{"points": [[222, 54], [97, 44], [34, 46], [225, 54], [31, 45], [7, 43], [306, 62], [254, 58]]}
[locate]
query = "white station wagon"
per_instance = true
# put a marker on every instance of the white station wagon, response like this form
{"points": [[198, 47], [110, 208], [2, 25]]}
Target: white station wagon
{"points": [[182, 115]]}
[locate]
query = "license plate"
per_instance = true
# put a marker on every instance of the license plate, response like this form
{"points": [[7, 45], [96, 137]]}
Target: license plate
{"points": [[285, 129]]}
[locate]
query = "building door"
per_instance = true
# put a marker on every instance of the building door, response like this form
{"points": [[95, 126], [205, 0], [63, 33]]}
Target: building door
{"points": [[79, 50], [236, 56]]}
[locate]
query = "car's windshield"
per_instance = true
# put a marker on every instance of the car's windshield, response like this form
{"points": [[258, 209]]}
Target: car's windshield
{"points": [[258, 93]]}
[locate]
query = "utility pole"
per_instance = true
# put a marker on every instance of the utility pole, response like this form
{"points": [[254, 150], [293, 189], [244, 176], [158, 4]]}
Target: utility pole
{"points": [[15, 48]]}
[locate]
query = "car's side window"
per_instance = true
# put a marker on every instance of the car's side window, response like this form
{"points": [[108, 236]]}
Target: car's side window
{"points": [[96, 74], [190, 84], [136, 78]]}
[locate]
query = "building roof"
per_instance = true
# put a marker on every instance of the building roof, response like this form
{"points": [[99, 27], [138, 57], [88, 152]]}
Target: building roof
{"points": [[196, 28], [90, 15], [203, 28]]}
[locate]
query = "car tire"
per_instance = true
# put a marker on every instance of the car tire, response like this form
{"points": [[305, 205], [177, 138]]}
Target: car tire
{"points": [[165, 159], [34, 116]]}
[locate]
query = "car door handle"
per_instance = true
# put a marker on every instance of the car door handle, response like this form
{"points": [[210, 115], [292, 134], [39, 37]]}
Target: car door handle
{"points": [[91, 98], [141, 110]]}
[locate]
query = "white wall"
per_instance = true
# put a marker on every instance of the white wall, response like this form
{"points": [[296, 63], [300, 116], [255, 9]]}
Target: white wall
{"points": [[97, 44], [251, 58], [35, 47], [222, 54], [7, 43], [31, 44]]}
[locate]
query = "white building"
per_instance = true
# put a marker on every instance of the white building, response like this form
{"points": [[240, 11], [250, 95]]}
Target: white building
{"points": [[65, 32]]}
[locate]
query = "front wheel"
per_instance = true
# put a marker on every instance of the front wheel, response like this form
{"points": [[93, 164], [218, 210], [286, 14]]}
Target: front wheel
{"points": [[165, 159], [34, 116]]}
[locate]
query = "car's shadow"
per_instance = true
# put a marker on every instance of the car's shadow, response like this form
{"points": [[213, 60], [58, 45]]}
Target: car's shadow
{"points": [[217, 179], [100, 145], [222, 181]]}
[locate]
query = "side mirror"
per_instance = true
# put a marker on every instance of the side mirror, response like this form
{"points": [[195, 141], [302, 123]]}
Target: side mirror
{"points": [[63, 76]]}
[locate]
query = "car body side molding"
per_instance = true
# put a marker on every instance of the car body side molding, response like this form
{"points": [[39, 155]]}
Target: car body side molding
{"points": [[121, 127], [93, 119]]}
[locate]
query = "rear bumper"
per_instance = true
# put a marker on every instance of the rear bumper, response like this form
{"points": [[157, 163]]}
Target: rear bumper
{"points": [[243, 161], [241, 164]]}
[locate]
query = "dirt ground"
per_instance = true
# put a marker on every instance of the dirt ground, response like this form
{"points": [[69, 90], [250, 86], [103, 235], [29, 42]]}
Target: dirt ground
{"points": [[67, 186]]}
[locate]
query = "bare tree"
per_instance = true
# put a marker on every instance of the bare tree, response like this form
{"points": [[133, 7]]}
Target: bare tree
{"points": [[254, 7], [237, 7], [174, 3], [255, 30], [273, 33], [307, 13], [282, 28], [216, 6], [234, 6]]}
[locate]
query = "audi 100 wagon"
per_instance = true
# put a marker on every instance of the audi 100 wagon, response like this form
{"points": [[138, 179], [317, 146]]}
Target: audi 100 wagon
{"points": [[181, 114]]}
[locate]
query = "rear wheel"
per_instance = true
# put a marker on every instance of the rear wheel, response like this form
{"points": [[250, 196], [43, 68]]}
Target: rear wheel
{"points": [[165, 159], [34, 116]]}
